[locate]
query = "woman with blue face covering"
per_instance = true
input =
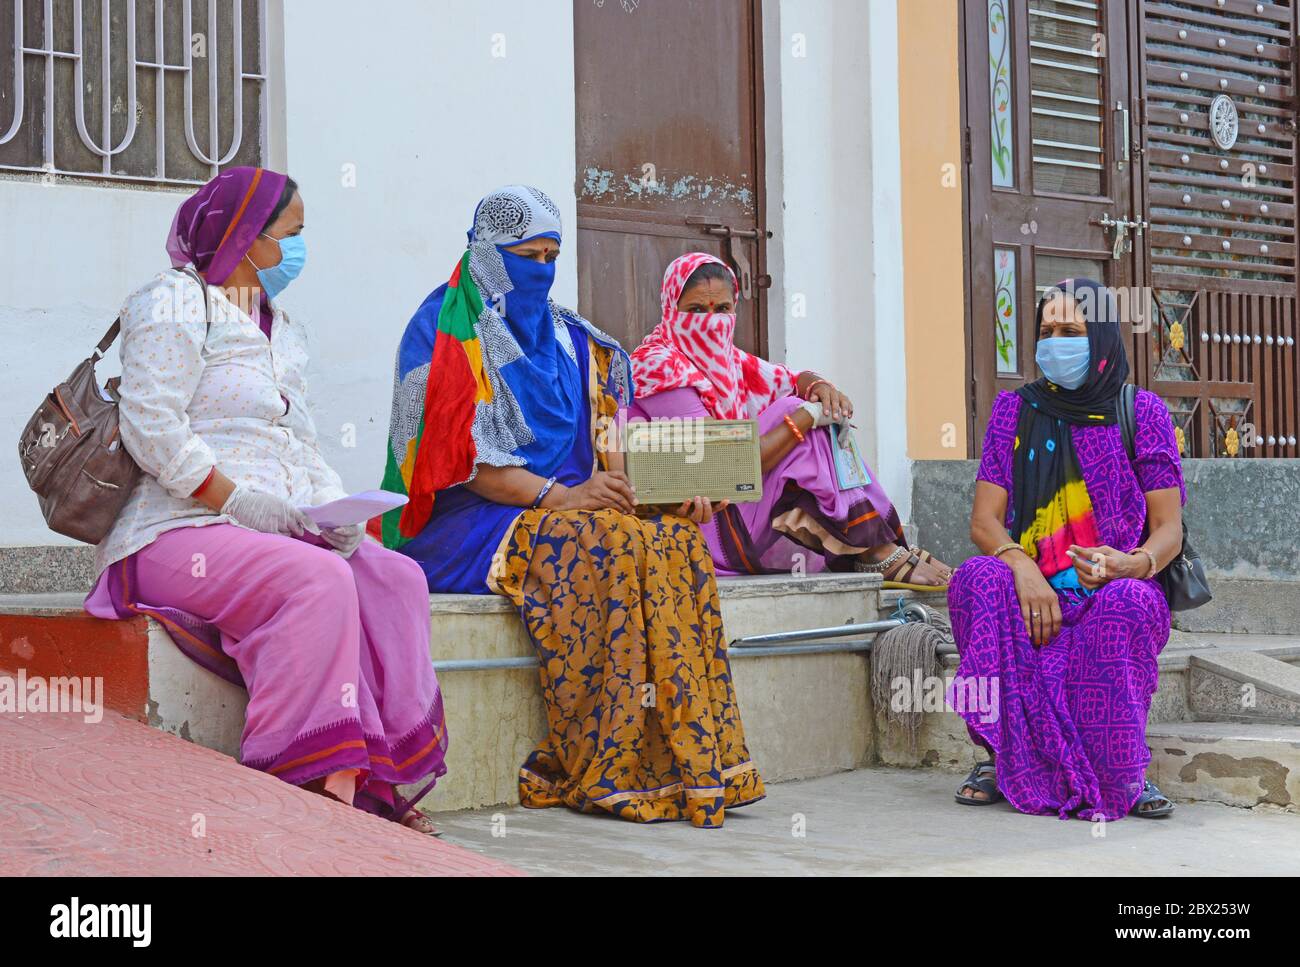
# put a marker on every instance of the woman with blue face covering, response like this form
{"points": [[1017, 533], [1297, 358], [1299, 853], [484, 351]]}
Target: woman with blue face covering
{"points": [[327, 632], [1060, 623], [502, 404]]}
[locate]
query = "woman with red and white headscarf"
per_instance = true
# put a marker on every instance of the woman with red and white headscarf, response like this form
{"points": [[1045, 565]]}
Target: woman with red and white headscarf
{"points": [[690, 367]]}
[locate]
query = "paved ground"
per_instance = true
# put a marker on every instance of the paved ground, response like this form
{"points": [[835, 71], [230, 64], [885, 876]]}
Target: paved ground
{"points": [[886, 821], [119, 798]]}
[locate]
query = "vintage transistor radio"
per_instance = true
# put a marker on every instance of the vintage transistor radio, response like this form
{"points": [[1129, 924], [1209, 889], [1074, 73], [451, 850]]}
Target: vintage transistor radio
{"points": [[672, 460]]}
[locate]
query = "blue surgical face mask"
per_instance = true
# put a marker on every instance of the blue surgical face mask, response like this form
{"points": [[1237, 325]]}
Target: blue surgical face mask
{"points": [[1064, 360], [293, 256]]}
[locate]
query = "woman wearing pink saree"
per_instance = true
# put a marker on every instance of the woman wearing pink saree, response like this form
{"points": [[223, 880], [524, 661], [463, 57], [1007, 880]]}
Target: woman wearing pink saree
{"points": [[328, 631], [689, 367]]}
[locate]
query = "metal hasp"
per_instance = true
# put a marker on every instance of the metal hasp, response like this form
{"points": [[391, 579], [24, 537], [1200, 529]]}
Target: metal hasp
{"points": [[1123, 243], [735, 254]]}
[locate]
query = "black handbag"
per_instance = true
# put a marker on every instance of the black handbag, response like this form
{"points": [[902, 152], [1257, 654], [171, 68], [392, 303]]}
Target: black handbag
{"points": [[1182, 579]]}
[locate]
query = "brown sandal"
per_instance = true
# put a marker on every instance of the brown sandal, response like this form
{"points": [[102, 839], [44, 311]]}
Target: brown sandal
{"points": [[901, 565], [929, 558]]}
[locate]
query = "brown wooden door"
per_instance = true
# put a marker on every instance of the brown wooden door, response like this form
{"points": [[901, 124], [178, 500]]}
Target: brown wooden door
{"points": [[1218, 86], [669, 154], [1049, 170]]}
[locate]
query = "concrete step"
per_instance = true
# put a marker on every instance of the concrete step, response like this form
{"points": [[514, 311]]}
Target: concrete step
{"points": [[805, 715], [1246, 606], [1243, 686], [890, 598], [1228, 762]]}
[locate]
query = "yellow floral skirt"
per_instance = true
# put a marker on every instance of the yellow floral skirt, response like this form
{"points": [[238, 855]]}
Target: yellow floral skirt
{"points": [[642, 715]]}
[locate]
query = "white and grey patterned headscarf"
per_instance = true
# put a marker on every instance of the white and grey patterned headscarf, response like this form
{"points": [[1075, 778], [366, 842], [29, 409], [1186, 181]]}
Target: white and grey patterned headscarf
{"points": [[507, 216]]}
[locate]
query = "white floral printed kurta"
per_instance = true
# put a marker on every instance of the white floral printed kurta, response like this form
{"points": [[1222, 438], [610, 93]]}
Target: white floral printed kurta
{"points": [[195, 396]]}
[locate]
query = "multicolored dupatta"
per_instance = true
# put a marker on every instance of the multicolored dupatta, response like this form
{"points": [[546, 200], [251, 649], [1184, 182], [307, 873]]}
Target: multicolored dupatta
{"points": [[463, 384], [479, 377], [1050, 507]]}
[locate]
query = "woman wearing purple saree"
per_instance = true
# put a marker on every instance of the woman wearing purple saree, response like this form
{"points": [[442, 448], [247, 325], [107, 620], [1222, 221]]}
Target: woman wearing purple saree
{"points": [[327, 631], [1060, 624]]}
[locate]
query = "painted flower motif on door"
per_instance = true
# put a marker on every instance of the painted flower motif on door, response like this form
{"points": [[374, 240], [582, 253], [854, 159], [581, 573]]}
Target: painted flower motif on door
{"points": [[1000, 140], [1004, 310]]}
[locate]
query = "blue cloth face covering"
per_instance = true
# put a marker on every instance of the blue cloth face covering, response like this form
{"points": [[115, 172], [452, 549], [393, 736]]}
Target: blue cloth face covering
{"points": [[1064, 360], [293, 256]]}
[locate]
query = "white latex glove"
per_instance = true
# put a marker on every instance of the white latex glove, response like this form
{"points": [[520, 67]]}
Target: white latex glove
{"points": [[267, 513], [820, 415], [344, 539]]}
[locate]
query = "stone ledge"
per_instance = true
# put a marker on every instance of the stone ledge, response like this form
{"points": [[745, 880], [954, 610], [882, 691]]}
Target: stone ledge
{"points": [[1243, 686], [1255, 540], [1240, 765]]}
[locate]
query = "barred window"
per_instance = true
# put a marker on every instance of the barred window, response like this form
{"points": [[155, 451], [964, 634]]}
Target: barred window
{"points": [[158, 91]]}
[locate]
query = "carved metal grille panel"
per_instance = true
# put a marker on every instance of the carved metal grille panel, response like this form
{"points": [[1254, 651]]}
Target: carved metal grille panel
{"points": [[1218, 153], [1225, 364], [132, 90]]}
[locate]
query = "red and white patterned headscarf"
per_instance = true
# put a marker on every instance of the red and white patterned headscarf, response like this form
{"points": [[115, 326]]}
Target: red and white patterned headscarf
{"points": [[697, 349]]}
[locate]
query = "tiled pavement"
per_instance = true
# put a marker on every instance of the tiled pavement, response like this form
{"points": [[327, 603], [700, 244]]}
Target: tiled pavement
{"points": [[119, 798]]}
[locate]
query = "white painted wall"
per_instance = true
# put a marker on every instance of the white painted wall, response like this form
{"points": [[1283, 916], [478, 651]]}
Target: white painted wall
{"points": [[833, 201], [432, 120]]}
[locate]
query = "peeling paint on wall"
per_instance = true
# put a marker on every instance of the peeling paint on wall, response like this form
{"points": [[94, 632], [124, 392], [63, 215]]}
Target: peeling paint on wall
{"points": [[1270, 774], [603, 185]]}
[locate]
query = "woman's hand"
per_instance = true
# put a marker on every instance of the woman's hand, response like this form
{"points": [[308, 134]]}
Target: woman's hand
{"points": [[267, 513], [839, 406], [1039, 606], [1098, 565], [345, 539], [604, 489], [700, 509]]}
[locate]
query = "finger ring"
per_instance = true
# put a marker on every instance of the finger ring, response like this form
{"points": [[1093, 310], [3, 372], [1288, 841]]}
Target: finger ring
{"points": [[1034, 613]]}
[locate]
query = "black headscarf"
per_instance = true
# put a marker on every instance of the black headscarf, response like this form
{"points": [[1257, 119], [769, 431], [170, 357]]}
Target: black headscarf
{"points": [[1045, 461], [1094, 401]]}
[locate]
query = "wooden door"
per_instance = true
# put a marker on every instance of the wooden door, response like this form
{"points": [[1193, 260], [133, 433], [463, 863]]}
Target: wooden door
{"points": [[1218, 86], [1049, 172], [669, 154]]}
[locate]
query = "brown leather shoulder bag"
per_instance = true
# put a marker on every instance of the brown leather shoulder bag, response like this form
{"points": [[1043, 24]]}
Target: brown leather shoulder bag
{"points": [[72, 452]]}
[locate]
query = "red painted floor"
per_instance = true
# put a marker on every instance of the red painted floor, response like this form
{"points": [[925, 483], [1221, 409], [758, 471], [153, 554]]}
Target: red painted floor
{"points": [[122, 799]]}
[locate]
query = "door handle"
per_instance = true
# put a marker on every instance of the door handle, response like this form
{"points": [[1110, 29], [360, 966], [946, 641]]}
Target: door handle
{"points": [[1126, 136]]}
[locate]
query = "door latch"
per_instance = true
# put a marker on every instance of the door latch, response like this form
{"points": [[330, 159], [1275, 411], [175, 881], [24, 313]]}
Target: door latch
{"points": [[1123, 241], [734, 254]]}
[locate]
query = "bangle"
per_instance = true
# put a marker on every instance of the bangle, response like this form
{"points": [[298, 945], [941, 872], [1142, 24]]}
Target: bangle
{"points": [[817, 382], [546, 489], [798, 434], [206, 480], [1010, 545], [1155, 565]]}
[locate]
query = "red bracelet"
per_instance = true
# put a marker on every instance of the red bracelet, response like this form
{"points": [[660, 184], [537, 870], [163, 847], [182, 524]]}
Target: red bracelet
{"points": [[204, 486], [815, 383], [798, 434]]}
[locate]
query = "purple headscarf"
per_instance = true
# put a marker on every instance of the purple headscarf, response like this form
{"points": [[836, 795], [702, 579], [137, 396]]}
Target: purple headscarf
{"points": [[214, 228]]}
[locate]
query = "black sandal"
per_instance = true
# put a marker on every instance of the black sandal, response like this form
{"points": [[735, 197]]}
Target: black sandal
{"points": [[984, 778], [1151, 794]]}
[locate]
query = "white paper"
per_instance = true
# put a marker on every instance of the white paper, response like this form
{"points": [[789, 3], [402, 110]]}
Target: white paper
{"points": [[356, 509]]}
